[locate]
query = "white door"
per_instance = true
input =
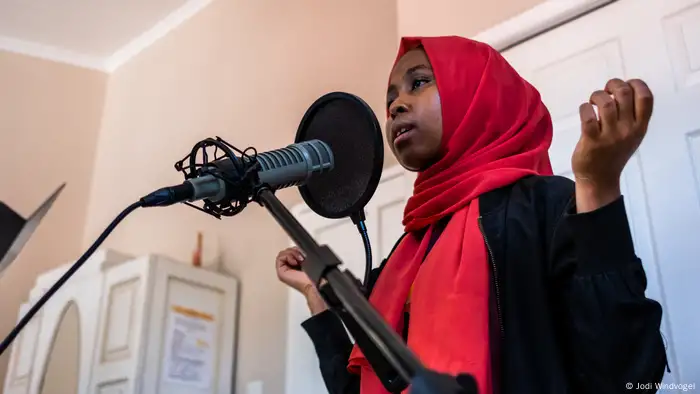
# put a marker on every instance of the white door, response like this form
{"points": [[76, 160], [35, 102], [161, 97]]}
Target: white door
{"points": [[384, 214], [658, 41]]}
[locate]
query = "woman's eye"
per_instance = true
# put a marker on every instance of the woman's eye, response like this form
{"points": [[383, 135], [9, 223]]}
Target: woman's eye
{"points": [[419, 82]]}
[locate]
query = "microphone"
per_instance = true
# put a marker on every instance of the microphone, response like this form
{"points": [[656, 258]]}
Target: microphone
{"points": [[219, 180]]}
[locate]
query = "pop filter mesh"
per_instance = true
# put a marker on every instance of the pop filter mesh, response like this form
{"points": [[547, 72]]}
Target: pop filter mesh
{"points": [[348, 125]]}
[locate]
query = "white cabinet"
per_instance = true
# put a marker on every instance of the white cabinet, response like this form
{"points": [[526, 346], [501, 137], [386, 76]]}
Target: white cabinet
{"points": [[146, 325]]}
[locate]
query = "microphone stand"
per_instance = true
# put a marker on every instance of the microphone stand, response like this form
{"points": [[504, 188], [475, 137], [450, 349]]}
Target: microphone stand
{"points": [[342, 293], [389, 356]]}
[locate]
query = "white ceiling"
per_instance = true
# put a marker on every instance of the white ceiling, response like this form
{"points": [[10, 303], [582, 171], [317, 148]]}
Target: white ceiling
{"points": [[89, 32]]}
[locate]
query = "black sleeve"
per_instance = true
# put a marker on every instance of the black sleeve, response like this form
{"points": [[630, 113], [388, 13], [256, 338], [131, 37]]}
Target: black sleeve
{"points": [[609, 329], [333, 348]]}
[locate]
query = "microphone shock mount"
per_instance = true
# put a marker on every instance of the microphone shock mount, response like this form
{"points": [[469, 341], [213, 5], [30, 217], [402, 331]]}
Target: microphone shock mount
{"points": [[241, 178]]}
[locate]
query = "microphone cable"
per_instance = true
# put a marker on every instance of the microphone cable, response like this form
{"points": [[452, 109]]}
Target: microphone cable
{"points": [[62, 280]]}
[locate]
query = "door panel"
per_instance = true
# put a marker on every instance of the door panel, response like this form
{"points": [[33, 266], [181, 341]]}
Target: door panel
{"points": [[658, 41], [119, 344]]}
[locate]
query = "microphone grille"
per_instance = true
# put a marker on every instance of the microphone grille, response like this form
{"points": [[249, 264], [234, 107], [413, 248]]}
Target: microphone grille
{"points": [[316, 154], [294, 164], [279, 158]]}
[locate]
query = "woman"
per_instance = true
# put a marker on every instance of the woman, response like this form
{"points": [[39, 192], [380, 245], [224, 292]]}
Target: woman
{"points": [[524, 280]]}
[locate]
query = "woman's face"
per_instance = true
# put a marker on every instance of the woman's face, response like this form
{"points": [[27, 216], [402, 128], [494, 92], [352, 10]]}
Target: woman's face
{"points": [[414, 126]]}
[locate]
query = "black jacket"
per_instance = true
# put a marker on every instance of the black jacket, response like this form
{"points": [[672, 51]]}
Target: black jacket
{"points": [[569, 314]]}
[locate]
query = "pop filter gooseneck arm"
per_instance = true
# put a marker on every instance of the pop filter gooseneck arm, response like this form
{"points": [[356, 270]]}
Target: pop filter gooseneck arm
{"points": [[358, 219]]}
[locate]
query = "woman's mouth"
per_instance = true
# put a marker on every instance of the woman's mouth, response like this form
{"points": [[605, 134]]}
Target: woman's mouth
{"points": [[403, 134]]}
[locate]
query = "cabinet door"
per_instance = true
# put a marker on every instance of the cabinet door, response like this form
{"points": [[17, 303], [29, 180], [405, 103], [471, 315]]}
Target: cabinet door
{"points": [[191, 331], [121, 322], [21, 367]]}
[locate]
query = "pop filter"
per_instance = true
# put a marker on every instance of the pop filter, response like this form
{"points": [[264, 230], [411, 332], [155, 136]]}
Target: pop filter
{"points": [[348, 125]]}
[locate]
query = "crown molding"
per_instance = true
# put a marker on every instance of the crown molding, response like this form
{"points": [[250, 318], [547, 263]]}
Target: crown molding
{"points": [[110, 63], [152, 35], [537, 20], [51, 53]]}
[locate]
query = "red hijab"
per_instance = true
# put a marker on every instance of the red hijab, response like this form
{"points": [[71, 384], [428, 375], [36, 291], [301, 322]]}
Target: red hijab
{"points": [[496, 130]]}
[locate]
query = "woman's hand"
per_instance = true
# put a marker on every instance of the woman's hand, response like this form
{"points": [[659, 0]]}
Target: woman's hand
{"points": [[288, 266], [606, 145]]}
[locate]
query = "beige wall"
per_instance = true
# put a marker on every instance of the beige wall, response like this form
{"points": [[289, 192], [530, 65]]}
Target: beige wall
{"points": [[246, 72], [49, 119]]}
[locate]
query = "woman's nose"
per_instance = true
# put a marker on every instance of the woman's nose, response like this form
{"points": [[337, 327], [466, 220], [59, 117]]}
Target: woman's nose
{"points": [[397, 107]]}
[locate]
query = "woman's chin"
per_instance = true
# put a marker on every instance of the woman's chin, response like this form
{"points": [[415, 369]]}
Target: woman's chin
{"points": [[413, 163], [410, 169], [416, 157]]}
